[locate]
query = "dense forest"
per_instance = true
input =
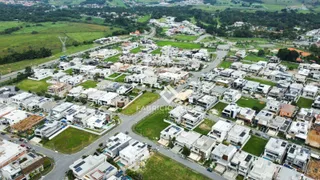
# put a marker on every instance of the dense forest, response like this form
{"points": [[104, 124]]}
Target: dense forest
{"points": [[30, 54]]}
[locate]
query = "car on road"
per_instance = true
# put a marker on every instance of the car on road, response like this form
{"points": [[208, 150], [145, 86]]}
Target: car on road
{"points": [[3, 133], [22, 145]]}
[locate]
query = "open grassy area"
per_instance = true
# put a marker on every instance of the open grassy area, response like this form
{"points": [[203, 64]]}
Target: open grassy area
{"points": [[270, 83], [219, 107], [255, 145], [205, 127], [113, 58], [89, 84], [290, 65], [157, 51], [159, 167], [153, 124], [70, 141], [251, 103], [182, 37], [34, 86], [114, 75], [141, 102], [254, 58], [144, 19], [136, 50], [182, 45], [225, 64], [304, 102]]}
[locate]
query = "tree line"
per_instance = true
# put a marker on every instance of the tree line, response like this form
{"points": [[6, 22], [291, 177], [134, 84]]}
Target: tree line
{"points": [[30, 54]]}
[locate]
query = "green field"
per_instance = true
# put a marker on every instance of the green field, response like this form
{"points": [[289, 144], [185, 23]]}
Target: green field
{"points": [[145, 99], [290, 65], [304, 102], [159, 167], [89, 84], [182, 37], [144, 19], [34, 86], [157, 51], [251, 103], [182, 45], [254, 58], [70, 141], [220, 106], [225, 64], [136, 50], [153, 124], [255, 145], [270, 83], [205, 127], [114, 75], [113, 58]]}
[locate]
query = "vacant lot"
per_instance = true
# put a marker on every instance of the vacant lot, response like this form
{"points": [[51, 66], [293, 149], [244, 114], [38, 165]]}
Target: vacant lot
{"points": [[251, 103], [262, 81], [136, 50], [144, 19], [255, 145], [225, 64], [159, 167], [182, 45], [219, 107], [254, 58], [153, 124], [34, 86], [205, 127], [89, 84], [70, 141], [114, 58], [183, 37], [141, 102], [304, 102], [290, 65]]}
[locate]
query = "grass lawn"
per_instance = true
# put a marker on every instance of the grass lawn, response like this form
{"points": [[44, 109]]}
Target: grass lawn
{"points": [[270, 83], [290, 65], [255, 145], [89, 84], [205, 127], [225, 64], [182, 45], [136, 50], [254, 58], [144, 19], [153, 124], [141, 102], [182, 37], [114, 75], [70, 141], [304, 102], [34, 86], [251, 103], [113, 58], [220, 106], [120, 78], [69, 71], [159, 167], [157, 51]]}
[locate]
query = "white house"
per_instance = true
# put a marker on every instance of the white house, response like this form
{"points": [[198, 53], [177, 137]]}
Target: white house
{"points": [[275, 150], [116, 143], [203, 146], [220, 130], [231, 110], [262, 170], [238, 135], [241, 162], [177, 113], [246, 114], [223, 154], [134, 153], [273, 105], [187, 139], [299, 130], [170, 132], [14, 117], [231, 95], [298, 156], [310, 91]]}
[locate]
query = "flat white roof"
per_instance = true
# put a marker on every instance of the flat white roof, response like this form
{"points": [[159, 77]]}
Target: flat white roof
{"points": [[9, 150], [188, 137], [222, 126]]}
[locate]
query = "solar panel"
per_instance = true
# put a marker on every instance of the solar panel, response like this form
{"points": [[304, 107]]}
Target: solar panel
{"points": [[78, 169], [78, 165]]}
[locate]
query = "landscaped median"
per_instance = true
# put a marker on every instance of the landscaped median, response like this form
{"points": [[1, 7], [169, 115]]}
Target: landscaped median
{"points": [[142, 101], [71, 140], [151, 126]]}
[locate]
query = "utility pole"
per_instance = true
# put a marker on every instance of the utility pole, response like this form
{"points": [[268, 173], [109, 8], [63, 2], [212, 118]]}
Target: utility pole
{"points": [[63, 41]]}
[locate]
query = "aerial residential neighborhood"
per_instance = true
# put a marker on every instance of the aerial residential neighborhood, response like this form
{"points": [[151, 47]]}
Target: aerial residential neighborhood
{"points": [[140, 90]]}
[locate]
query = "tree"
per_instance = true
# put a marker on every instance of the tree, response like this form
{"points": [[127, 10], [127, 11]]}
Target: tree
{"points": [[261, 53], [186, 151], [134, 175], [96, 76]]}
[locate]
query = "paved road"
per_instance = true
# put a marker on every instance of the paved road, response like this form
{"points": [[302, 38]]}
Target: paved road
{"points": [[200, 38]]}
